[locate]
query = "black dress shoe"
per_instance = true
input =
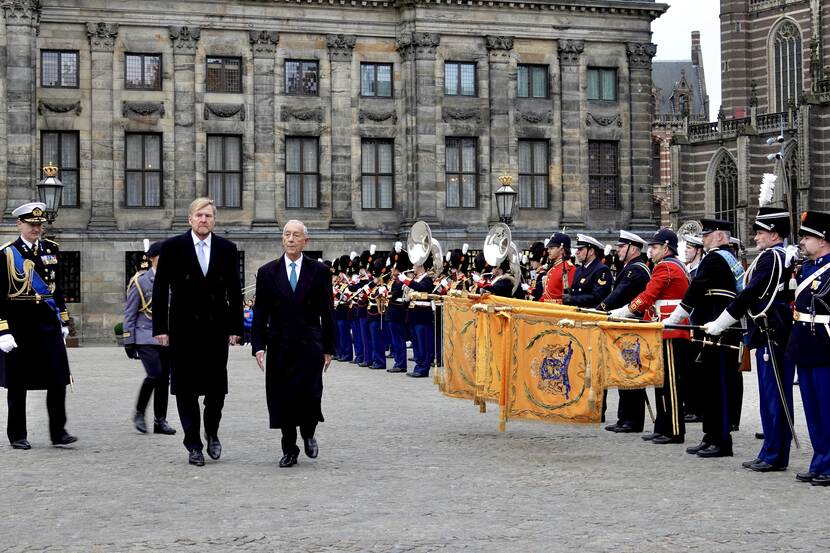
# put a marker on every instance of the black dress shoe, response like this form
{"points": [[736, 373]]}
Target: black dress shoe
{"points": [[805, 476], [139, 422], [626, 429], [695, 448], [748, 464], [691, 417], [821, 480], [214, 448], [649, 437], [396, 370], [288, 460], [759, 435], [310, 446], [66, 439], [734, 427], [377, 367], [195, 457], [612, 427], [763, 466], [662, 440], [160, 426], [363, 364], [21, 444], [413, 374], [714, 451]]}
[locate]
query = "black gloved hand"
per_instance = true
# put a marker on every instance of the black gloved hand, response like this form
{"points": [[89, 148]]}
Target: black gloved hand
{"points": [[129, 349]]}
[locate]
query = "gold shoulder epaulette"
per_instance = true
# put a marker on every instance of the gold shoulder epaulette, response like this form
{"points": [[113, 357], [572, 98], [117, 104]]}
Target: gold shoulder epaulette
{"points": [[51, 242], [6, 245]]}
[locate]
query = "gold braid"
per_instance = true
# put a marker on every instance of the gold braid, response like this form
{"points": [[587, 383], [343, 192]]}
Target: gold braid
{"points": [[146, 306], [18, 284]]}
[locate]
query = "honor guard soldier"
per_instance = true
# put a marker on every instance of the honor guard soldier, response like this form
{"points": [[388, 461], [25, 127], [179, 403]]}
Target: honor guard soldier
{"points": [[709, 293], [341, 309], [692, 376], [765, 303], [378, 298], [357, 282], [559, 278], [362, 301], [139, 343], [809, 345], [420, 319], [592, 280], [668, 284], [631, 280], [537, 257], [33, 322], [396, 311]]}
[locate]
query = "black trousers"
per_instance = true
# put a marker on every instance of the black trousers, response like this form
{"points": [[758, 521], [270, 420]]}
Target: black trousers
{"points": [[289, 437], [632, 408], [669, 421], [719, 365], [156, 361], [189, 415], [736, 399], [692, 376], [55, 407]]}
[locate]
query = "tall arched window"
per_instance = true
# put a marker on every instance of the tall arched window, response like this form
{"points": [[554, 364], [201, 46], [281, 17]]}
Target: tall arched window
{"points": [[791, 171], [726, 189], [786, 62]]}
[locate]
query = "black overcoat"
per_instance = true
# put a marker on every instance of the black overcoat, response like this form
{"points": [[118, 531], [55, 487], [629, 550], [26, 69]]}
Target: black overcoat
{"points": [[295, 328], [199, 313]]}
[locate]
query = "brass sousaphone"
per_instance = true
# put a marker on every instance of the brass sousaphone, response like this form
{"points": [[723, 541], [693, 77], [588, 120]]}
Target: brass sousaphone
{"points": [[498, 246], [420, 245]]}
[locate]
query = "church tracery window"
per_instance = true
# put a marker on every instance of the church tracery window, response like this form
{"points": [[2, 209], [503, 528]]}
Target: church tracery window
{"points": [[726, 189], [787, 64]]}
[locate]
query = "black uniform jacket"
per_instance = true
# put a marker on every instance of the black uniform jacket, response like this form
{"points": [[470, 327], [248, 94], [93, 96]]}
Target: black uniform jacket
{"points": [[711, 291], [591, 284], [199, 312], [295, 328], [631, 281]]}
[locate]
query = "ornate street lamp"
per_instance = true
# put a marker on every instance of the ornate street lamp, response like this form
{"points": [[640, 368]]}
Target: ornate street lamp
{"points": [[49, 191], [506, 199]]}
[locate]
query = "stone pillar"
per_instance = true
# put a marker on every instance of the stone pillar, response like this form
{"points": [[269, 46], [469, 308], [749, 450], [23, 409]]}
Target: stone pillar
{"points": [[574, 196], [501, 92], [340, 49], [264, 47], [101, 44], [418, 53], [639, 105], [185, 40], [22, 20]]}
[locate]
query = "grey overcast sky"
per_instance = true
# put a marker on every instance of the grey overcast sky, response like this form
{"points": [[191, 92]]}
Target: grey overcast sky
{"points": [[673, 37]]}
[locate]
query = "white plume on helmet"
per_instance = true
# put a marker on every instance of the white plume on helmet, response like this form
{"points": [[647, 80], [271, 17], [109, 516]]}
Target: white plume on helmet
{"points": [[398, 246], [464, 248], [372, 249], [767, 189]]}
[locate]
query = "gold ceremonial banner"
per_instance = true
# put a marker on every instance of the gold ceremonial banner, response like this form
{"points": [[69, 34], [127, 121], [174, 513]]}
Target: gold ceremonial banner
{"points": [[632, 354], [459, 372]]}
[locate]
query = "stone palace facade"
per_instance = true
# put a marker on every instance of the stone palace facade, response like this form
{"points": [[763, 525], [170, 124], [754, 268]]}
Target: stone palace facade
{"points": [[357, 117]]}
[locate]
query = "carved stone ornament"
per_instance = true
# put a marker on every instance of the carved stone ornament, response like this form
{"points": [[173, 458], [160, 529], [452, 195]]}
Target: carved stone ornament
{"points": [[534, 117], [461, 114], [640, 54], [498, 42], [224, 111], [592, 119], [22, 12], [102, 36], [264, 43], [418, 45], [299, 114], [570, 51], [185, 39], [138, 110], [44, 106], [340, 47], [377, 116]]}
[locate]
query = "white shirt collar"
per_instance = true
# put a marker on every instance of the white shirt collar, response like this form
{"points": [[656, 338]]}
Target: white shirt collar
{"points": [[298, 263], [29, 245], [196, 239]]}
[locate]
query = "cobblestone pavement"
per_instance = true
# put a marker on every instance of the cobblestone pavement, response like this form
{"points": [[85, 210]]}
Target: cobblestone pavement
{"points": [[401, 468]]}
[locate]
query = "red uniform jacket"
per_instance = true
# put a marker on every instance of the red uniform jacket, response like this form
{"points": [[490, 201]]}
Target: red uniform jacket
{"points": [[553, 284], [668, 284]]}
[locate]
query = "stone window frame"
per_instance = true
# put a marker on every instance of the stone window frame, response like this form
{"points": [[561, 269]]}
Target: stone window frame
{"points": [[285, 89], [529, 67], [223, 78], [459, 64], [375, 65], [598, 182], [220, 202], [60, 54], [598, 70], [143, 171], [144, 56], [460, 174], [376, 175], [301, 173], [58, 163], [777, 100], [533, 175], [714, 193]]}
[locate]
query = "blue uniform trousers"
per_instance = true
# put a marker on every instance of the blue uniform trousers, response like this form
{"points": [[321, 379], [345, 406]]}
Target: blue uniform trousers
{"points": [[344, 340], [367, 340], [423, 337], [376, 343], [357, 337], [815, 391], [387, 337], [396, 334], [777, 436]]}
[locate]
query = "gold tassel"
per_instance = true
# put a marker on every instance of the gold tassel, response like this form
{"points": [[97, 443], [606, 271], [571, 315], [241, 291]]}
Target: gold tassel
{"points": [[592, 399], [502, 425]]}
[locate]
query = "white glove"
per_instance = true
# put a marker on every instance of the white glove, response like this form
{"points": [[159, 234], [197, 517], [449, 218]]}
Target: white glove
{"points": [[716, 327], [677, 316], [401, 277], [444, 283], [790, 253], [622, 313], [525, 286], [7, 343], [477, 278], [355, 279], [65, 331]]}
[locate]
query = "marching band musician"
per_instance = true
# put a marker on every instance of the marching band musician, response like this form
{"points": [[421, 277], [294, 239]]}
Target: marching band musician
{"points": [[479, 281], [555, 283], [355, 285], [377, 298], [592, 280], [809, 345], [668, 284], [341, 309], [396, 312], [709, 293], [631, 280], [362, 302], [456, 268], [420, 320], [537, 256], [503, 282]]}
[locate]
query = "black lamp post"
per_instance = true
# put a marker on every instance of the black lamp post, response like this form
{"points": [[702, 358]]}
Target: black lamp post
{"points": [[49, 191], [506, 199]]}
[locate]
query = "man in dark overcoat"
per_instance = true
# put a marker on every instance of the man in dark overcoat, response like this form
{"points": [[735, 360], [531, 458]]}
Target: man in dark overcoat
{"points": [[198, 312], [293, 340]]}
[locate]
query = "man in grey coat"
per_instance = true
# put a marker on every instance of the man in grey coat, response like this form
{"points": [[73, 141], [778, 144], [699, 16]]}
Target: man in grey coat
{"points": [[139, 343]]}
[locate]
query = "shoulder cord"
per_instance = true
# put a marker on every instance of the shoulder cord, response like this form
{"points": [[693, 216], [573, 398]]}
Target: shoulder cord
{"points": [[18, 284], [146, 306], [777, 270]]}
